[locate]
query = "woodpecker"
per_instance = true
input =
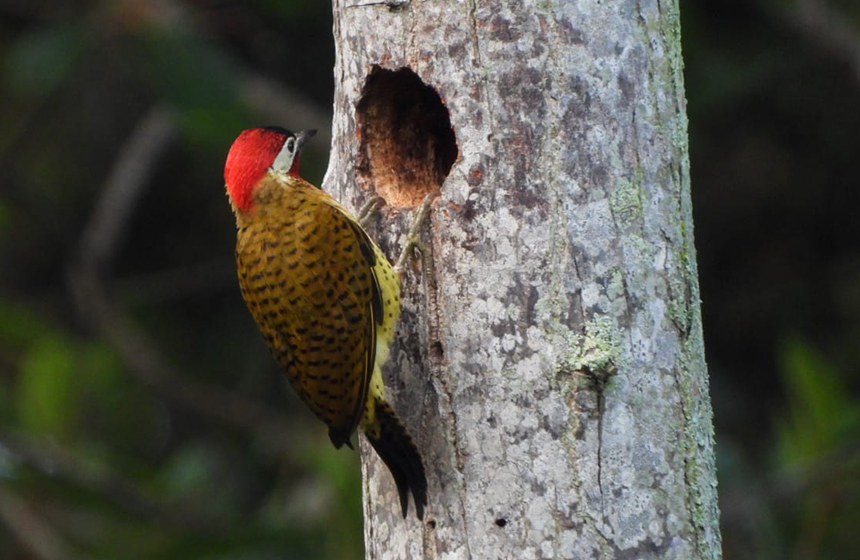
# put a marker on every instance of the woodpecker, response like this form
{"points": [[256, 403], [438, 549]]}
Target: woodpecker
{"points": [[323, 295]]}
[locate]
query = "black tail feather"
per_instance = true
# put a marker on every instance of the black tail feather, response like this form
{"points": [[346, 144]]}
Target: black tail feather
{"points": [[398, 452], [340, 437]]}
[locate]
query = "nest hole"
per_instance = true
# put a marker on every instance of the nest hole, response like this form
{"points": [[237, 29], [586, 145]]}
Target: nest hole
{"points": [[407, 145]]}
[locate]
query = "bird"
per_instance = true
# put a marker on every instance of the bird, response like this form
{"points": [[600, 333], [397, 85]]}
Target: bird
{"points": [[324, 296]]}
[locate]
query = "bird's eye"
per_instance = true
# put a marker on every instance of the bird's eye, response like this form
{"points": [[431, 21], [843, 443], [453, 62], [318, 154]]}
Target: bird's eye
{"points": [[291, 144]]}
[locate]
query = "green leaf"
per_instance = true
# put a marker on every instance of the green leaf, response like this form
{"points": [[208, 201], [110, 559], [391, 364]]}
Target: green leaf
{"points": [[19, 326], [40, 60], [821, 414], [46, 400], [199, 80]]}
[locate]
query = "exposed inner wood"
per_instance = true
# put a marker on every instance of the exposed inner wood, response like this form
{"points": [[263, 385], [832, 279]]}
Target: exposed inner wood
{"points": [[407, 146]]}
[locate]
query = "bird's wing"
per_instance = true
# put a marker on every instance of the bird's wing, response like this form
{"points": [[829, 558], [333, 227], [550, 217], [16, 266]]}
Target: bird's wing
{"points": [[369, 255], [374, 314]]}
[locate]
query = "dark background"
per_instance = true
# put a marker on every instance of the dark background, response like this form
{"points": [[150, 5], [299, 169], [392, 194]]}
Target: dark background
{"points": [[140, 413]]}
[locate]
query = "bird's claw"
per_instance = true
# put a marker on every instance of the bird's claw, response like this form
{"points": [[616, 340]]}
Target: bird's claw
{"points": [[368, 209], [413, 237]]}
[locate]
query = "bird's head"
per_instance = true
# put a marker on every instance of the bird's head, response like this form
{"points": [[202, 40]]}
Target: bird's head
{"points": [[258, 151]]}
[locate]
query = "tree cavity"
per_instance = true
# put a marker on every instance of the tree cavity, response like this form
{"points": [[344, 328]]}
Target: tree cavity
{"points": [[406, 142]]}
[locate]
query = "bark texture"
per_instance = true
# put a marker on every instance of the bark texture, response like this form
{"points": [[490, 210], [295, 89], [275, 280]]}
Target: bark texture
{"points": [[549, 362]]}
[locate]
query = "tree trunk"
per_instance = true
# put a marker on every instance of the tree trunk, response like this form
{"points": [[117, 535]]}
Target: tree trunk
{"points": [[549, 362]]}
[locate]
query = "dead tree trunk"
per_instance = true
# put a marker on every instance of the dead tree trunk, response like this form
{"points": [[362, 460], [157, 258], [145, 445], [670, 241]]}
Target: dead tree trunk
{"points": [[550, 361]]}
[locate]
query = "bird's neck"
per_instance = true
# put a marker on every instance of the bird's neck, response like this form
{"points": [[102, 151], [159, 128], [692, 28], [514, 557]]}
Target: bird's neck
{"points": [[271, 198]]}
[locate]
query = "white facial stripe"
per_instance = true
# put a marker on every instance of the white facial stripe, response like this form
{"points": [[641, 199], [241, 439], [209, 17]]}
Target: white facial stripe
{"points": [[284, 159]]}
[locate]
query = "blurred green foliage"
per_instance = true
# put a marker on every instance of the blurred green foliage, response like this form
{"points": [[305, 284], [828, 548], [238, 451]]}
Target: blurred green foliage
{"points": [[817, 455], [773, 114], [820, 415], [45, 394], [43, 58], [110, 465]]}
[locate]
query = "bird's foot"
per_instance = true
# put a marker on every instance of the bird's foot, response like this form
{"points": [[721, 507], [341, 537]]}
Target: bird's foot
{"points": [[368, 209], [413, 238]]}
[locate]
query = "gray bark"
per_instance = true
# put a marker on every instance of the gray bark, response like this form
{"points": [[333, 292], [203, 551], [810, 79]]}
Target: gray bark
{"points": [[549, 362]]}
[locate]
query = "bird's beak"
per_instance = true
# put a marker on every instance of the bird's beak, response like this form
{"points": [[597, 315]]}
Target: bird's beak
{"points": [[303, 136]]}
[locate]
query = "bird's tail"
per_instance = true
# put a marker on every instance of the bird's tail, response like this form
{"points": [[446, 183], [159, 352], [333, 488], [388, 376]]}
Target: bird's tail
{"points": [[398, 452]]}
